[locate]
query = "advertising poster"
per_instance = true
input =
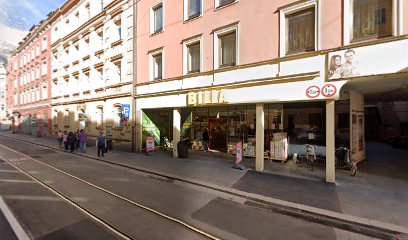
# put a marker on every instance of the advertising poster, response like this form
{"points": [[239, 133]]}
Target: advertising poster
{"points": [[238, 152], [149, 143], [369, 60], [150, 129]]}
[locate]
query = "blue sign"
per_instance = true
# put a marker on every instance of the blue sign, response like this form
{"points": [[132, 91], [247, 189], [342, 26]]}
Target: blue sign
{"points": [[125, 112]]}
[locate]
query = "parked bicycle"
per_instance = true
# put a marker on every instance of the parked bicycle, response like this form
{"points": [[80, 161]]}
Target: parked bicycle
{"points": [[345, 160]]}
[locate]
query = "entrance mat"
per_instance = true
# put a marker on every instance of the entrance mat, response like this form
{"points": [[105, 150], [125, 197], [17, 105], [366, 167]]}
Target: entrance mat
{"points": [[250, 223], [299, 190]]}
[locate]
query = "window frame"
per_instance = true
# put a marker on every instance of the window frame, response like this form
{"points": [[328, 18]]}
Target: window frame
{"points": [[187, 16], [217, 3], [397, 21], [217, 47], [152, 55], [293, 9], [186, 44], [153, 8]]}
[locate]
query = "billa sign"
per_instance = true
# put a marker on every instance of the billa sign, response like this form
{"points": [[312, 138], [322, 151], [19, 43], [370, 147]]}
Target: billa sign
{"points": [[206, 98]]}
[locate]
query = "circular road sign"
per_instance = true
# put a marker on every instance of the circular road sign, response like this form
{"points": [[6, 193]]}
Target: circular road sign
{"points": [[329, 90], [313, 92]]}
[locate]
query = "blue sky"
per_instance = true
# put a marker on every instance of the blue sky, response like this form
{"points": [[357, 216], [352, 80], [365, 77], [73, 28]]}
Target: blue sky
{"points": [[17, 16]]}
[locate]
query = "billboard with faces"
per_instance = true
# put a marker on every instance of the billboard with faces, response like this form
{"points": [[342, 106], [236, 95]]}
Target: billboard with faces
{"points": [[384, 58]]}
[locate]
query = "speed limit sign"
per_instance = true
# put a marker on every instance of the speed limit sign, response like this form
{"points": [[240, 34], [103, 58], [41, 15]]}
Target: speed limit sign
{"points": [[329, 90]]}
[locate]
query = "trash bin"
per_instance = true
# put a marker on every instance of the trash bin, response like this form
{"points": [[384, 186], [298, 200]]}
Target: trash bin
{"points": [[182, 148]]}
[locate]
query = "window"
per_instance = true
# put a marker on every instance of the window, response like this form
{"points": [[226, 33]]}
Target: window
{"points": [[102, 5], [119, 29], [37, 72], [100, 116], [107, 35], [37, 50], [44, 68], [227, 49], [44, 91], [300, 31], [44, 44], [220, 3], [88, 11], [192, 8], [156, 64], [2, 107], [157, 19], [192, 56], [371, 19], [66, 122], [118, 68], [2, 94]]}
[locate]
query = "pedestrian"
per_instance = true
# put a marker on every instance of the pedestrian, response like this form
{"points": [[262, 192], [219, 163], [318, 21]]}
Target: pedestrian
{"points": [[60, 137], [77, 140], [101, 143], [205, 140], [83, 138], [65, 140], [71, 141]]}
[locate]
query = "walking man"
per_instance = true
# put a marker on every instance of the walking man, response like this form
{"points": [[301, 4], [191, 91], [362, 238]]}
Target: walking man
{"points": [[101, 143], [60, 137], [72, 141], [65, 140], [83, 138]]}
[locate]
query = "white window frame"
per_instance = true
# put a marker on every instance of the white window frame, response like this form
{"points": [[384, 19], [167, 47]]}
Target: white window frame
{"points": [[397, 19], [151, 63], [217, 47], [186, 43], [217, 3], [152, 20], [186, 17], [297, 8]]}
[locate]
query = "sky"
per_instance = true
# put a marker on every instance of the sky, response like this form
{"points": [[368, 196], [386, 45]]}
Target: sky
{"points": [[17, 17]]}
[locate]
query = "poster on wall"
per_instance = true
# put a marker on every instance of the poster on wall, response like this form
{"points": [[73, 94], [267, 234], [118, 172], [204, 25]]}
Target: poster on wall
{"points": [[150, 129], [369, 60], [360, 133], [355, 134]]}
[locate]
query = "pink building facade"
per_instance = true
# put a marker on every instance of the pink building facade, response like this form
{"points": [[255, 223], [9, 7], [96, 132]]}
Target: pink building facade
{"points": [[271, 75], [29, 83]]}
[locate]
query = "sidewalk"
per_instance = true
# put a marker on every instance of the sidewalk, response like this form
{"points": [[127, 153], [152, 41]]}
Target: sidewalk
{"points": [[373, 194]]}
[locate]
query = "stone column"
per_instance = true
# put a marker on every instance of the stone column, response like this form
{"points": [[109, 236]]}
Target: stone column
{"points": [[330, 141], [260, 125], [176, 130]]}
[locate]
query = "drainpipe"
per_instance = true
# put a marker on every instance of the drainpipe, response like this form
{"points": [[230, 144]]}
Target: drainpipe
{"points": [[134, 77]]}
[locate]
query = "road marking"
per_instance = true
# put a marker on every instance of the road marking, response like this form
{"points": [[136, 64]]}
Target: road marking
{"points": [[32, 198], [15, 225], [10, 171], [16, 181]]}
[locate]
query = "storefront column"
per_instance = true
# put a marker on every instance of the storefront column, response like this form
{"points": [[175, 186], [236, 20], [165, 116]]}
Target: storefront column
{"points": [[176, 130], [260, 125], [330, 138]]}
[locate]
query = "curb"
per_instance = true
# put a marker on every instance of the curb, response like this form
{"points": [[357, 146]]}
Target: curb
{"points": [[347, 222]]}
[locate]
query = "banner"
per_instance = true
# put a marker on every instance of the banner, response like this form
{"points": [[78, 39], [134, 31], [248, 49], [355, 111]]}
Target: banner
{"points": [[238, 152], [369, 60], [150, 129], [149, 144]]}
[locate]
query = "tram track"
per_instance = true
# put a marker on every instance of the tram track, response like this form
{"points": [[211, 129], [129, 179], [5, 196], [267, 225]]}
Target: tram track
{"points": [[324, 217], [93, 216]]}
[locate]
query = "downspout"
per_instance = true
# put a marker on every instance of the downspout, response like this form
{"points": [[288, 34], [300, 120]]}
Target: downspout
{"points": [[134, 78]]}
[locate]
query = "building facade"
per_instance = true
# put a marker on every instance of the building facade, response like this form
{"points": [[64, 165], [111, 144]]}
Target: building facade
{"points": [[4, 122], [271, 75], [29, 83], [92, 63]]}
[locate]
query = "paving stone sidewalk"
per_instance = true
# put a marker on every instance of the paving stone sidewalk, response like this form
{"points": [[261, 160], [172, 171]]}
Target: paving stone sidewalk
{"points": [[377, 192]]}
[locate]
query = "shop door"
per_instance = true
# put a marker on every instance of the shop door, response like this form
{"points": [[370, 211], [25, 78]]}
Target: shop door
{"points": [[218, 134]]}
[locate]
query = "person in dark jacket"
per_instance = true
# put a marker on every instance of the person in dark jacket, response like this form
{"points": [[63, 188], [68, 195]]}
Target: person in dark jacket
{"points": [[72, 141], [206, 139], [101, 144]]}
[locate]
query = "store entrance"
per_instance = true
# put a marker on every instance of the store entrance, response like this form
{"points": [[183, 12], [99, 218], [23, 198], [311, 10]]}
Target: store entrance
{"points": [[218, 133]]}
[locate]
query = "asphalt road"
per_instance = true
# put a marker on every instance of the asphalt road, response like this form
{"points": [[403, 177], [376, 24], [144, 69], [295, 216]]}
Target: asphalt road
{"points": [[44, 215]]}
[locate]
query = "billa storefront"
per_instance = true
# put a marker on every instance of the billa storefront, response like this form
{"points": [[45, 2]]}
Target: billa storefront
{"points": [[274, 116]]}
